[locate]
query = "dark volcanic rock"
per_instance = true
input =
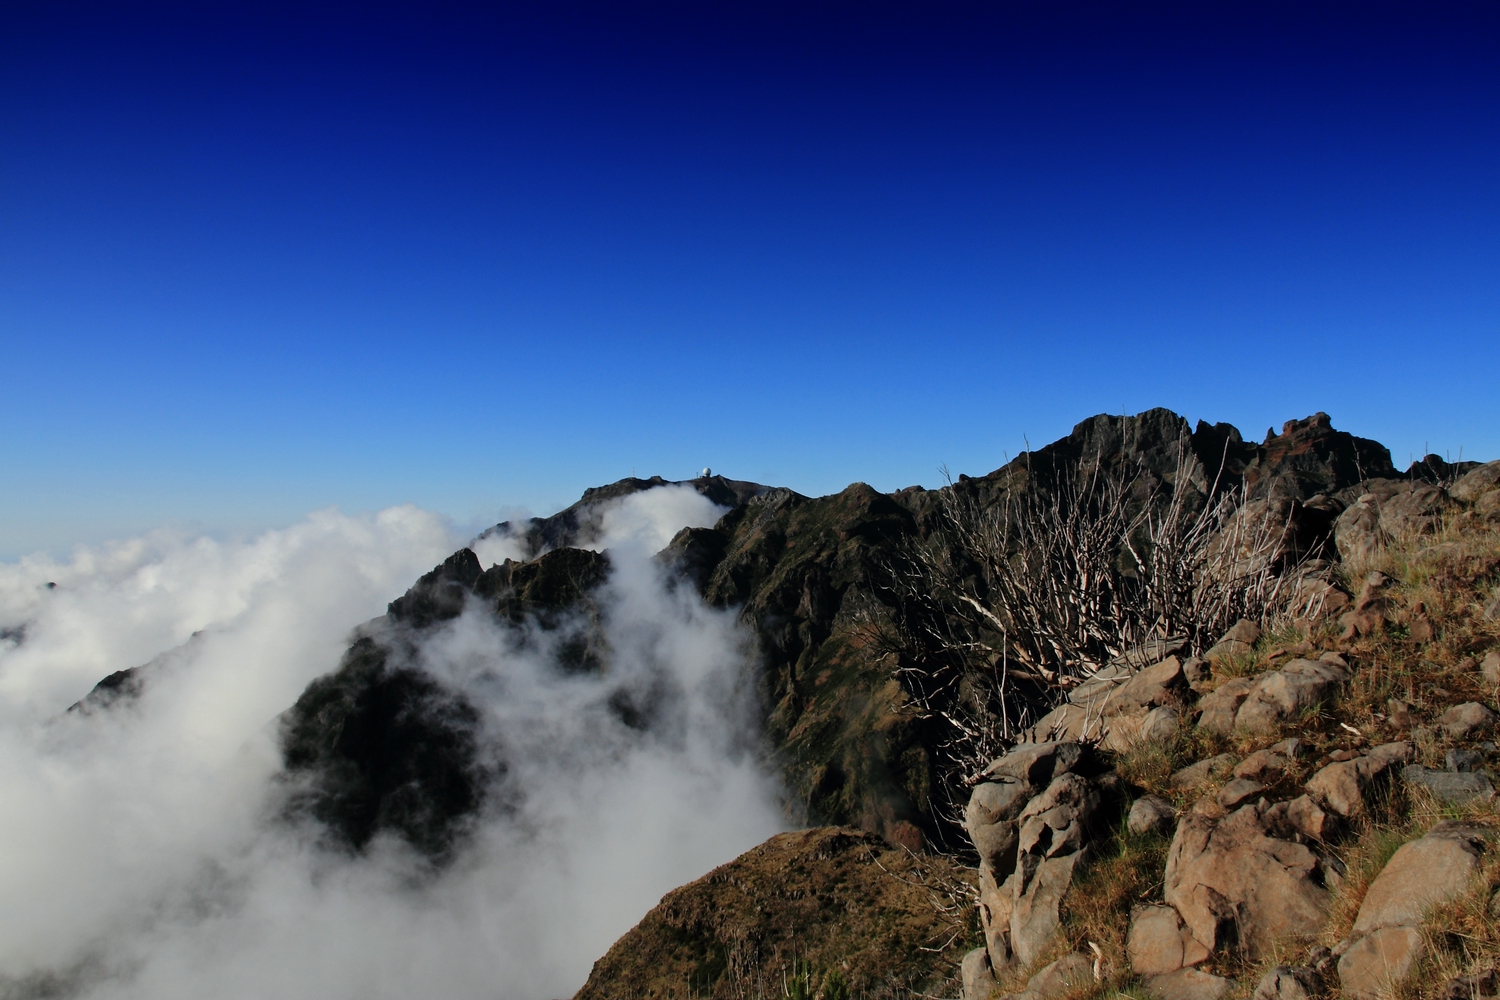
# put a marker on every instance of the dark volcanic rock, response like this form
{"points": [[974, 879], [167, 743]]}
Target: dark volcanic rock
{"points": [[382, 746], [124, 685], [1309, 457], [385, 748], [806, 574], [438, 595]]}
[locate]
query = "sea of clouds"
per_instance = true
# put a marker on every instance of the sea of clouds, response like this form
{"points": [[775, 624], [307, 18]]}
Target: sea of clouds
{"points": [[143, 851]]}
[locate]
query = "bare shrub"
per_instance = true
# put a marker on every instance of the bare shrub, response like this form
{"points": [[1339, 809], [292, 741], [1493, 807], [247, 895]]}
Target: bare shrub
{"points": [[1006, 603]]}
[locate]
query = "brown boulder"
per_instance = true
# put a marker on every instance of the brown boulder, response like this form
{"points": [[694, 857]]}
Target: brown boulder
{"points": [[1479, 986], [1476, 482], [1463, 721], [1415, 510], [1287, 982], [1219, 707], [1060, 978], [1119, 707], [1151, 813], [977, 976], [1054, 822], [1421, 874], [1367, 615], [1158, 943], [1283, 694], [1299, 817], [1489, 667], [1345, 786], [1006, 786], [1196, 775], [1039, 886], [1159, 725], [1239, 791], [1377, 962], [996, 902], [1028, 817], [1266, 766], [1238, 641], [1230, 876]]}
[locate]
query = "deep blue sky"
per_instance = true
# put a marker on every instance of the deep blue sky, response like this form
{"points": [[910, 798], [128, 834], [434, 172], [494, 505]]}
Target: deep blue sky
{"points": [[257, 260]]}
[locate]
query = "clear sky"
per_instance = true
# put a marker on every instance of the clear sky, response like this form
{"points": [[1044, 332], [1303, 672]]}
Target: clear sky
{"points": [[257, 259]]}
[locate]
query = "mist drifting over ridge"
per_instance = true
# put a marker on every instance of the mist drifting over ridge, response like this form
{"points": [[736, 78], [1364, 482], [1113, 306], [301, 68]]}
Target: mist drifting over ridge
{"points": [[145, 849]]}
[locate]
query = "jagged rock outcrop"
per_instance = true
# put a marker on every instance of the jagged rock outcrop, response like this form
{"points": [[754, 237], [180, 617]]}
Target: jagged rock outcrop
{"points": [[380, 746], [581, 524], [1030, 817], [121, 686], [808, 576]]}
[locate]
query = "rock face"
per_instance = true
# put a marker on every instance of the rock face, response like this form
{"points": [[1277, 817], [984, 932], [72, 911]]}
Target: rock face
{"points": [[1029, 818], [1420, 875], [1231, 879]]}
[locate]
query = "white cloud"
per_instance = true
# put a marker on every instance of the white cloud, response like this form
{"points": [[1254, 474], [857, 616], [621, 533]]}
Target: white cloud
{"points": [[138, 848]]}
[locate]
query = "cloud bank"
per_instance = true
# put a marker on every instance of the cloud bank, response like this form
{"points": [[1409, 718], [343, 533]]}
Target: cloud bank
{"points": [[142, 853]]}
